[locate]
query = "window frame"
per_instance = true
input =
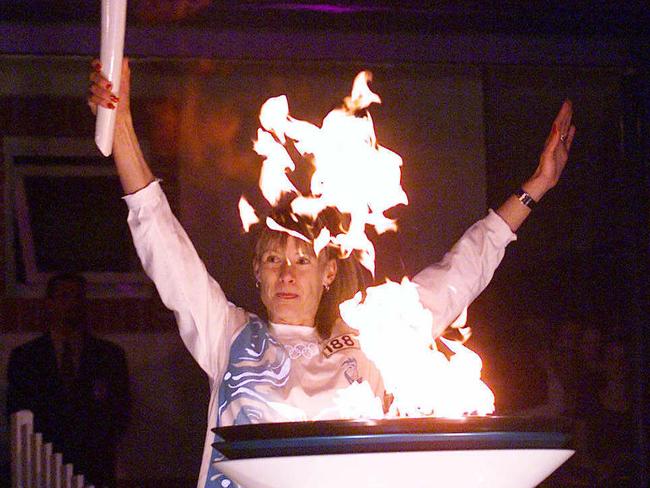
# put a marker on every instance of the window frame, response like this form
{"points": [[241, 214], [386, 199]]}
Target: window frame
{"points": [[100, 284]]}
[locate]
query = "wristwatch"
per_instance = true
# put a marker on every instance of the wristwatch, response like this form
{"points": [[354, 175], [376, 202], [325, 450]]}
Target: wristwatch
{"points": [[525, 198]]}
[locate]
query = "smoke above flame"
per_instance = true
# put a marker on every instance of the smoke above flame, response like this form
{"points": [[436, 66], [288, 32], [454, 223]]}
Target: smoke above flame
{"points": [[361, 179]]}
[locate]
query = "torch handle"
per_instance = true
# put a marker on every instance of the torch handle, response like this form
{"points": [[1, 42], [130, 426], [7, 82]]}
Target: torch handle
{"points": [[112, 51]]}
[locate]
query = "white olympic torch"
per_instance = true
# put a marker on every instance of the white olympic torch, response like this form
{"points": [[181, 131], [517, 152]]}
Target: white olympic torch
{"points": [[112, 51]]}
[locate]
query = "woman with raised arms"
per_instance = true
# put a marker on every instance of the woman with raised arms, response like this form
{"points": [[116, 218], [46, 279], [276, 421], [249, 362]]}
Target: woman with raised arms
{"points": [[280, 367]]}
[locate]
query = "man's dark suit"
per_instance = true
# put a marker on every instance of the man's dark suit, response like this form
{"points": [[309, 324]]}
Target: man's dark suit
{"points": [[84, 420]]}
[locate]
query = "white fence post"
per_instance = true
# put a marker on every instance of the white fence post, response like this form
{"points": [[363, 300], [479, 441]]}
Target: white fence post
{"points": [[66, 474], [22, 427], [46, 466], [37, 446], [78, 481], [57, 465]]}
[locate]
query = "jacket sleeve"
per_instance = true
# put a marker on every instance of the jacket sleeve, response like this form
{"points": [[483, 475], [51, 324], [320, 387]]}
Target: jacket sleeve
{"points": [[449, 286], [206, 320]]}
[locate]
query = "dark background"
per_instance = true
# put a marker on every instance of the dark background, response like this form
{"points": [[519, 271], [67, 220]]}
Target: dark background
{"points": [[585, 254]]}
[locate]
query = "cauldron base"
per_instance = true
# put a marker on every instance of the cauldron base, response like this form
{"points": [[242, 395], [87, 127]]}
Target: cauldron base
{"points": [[473, 452], [461, 469]]}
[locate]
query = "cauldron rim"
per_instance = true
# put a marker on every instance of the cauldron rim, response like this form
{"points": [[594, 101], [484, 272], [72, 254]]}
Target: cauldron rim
{"points": [[389, 435]]}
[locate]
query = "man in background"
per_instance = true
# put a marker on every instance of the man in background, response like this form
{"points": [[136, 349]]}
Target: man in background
{"points": [[76, 384]]}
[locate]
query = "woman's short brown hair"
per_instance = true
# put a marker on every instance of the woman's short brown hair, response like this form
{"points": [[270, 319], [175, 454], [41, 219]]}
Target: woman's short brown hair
{"points": [[349, 276]]}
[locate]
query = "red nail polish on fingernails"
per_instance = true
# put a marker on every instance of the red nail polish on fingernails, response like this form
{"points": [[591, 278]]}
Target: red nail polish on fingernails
{"points": [[109, 86], [111, 106], [114, 98], [98, 67]]}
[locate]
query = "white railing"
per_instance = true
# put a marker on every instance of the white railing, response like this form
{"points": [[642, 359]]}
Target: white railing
{"points": [[33, 463]]}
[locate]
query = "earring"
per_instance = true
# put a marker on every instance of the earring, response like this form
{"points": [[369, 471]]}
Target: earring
{"points": [[326, 286], [257, 284]]}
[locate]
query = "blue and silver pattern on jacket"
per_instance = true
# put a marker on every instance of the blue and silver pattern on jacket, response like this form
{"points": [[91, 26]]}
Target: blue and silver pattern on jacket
{"points": [[258, 366]]}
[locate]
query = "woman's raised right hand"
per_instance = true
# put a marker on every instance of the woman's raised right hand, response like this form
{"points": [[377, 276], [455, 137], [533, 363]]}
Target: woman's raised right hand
{"points": [[101, 92], [131, 165]]}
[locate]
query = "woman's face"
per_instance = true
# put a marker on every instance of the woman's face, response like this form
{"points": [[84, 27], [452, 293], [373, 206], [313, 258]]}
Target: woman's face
{"points": [[291, 280]]}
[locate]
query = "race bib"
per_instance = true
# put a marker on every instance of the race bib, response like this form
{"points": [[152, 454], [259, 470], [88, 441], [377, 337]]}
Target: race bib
{"points": [[339, 343]]}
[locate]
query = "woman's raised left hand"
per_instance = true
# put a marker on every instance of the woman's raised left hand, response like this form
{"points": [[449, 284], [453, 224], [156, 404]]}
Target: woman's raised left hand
{"points": [[555, 154]]}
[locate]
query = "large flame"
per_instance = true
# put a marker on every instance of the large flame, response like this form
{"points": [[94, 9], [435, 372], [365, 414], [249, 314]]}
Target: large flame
{"points": [[352, 173], [395, 333], [361, 179]]}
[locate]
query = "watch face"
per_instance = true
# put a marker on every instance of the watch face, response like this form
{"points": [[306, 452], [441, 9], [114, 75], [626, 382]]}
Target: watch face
{"points": [[525, 198]]}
